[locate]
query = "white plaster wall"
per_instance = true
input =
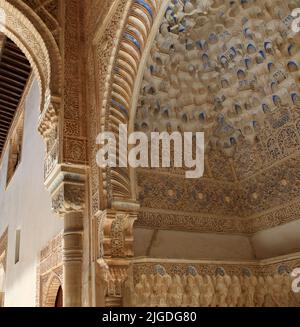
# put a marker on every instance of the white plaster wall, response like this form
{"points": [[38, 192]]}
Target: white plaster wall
{"points": [[190, 245], [280, 240], [25, 204], [270, 243]]}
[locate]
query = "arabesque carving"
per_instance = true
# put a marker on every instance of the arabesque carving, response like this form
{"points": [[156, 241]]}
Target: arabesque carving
{"points": [[194, 284], [49, 272], [235, 79], [114, 253]]}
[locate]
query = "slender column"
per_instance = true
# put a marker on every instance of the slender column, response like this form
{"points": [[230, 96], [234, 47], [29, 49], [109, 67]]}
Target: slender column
{"points": [[73, 252], [68, 200]]}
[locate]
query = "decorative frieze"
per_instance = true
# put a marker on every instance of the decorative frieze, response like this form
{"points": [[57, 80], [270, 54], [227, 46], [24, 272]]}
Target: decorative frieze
{"points": [[208, 284], [202, 223], [210, 223]]}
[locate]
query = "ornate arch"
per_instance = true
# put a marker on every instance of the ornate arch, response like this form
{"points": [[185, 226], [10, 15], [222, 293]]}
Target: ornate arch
{"points": [[115, 67], [122, 87], [52, 288], [26, 29], [118, 105]]}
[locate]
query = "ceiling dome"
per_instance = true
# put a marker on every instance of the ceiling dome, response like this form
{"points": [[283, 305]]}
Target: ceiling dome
{"points": [[227, 73]]}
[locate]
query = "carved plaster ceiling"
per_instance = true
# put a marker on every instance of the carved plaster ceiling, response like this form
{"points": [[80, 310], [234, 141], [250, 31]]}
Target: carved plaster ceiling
{"points": [[226, 73], [233, 73]]}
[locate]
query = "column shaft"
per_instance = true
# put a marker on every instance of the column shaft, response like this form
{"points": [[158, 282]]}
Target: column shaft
{"points": [[72, 265]]}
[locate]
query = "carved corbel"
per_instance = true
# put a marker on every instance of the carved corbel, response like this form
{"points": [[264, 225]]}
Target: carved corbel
{"points": [[115, 233], [49, 129], [68, 198], [114, 253]]}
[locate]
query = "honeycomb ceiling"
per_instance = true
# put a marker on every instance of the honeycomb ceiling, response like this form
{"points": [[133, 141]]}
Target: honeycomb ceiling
{"points": [[226, 72], [232, 72]]}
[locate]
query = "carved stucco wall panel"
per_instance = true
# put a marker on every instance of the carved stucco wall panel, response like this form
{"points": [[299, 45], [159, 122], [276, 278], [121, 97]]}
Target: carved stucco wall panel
{"points": [[74, 123], [253, 199], [49, 12], [202, 283], [100, 64], [114, 99], [166, 191], [50, 272]]}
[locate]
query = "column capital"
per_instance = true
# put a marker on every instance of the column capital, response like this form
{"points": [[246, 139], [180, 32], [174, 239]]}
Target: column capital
{"points": [[69, 197], [115, 233], [111, 274], [68, 190]]}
